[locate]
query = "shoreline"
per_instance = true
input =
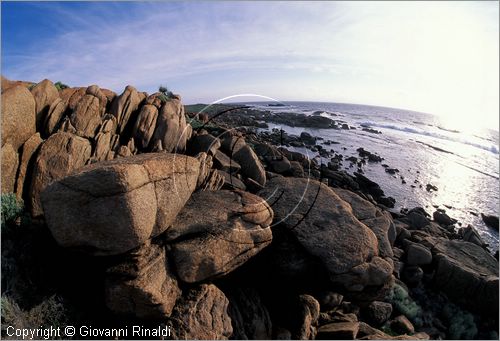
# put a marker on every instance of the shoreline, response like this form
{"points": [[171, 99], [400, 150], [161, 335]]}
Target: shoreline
{"points": [[139, 212]]}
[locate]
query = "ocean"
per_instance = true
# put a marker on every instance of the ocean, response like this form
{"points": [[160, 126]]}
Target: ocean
{"points": [[464, 166]]}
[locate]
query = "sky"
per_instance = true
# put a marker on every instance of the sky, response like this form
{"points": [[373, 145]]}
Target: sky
{"points": [[436, 57]]}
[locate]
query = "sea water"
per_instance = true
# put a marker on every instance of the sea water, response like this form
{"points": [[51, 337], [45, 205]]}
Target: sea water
{"points": [[464, 166]]}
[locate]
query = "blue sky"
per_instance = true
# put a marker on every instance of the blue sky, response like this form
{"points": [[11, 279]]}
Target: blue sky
{"points": [[440, 58]]}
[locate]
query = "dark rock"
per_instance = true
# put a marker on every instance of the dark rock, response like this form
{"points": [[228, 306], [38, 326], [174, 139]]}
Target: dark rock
{"points": [[402, 325], [142, 284], [379, 312], [232, 182], [250, 318], [443, 219], [204, 143], [467, 273], [490, 221], [418, 255], [430, 188]]}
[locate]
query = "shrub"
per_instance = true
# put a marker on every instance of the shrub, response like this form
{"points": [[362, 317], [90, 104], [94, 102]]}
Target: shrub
{"points": [[403, 303], [11, 208], [461, 323], [60, 86], [50, 312], [167, 93]]}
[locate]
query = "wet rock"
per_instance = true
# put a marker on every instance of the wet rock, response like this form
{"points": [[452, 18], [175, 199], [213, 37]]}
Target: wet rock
{"points": [[469, 234], [18, 116], [114, 206], [59, 155], [443, 219], [233, 227], [490, 221], [430, 188]]}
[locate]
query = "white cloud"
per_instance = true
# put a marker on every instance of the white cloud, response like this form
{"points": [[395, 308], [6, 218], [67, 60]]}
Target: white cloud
{"points": [[435, 57]]}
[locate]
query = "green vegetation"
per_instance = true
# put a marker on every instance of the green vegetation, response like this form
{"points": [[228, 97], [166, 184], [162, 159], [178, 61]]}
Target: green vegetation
{"points": [[461, 323], [60, 86], [50, 312], [165, 93], [12, 208], [405, 305]]}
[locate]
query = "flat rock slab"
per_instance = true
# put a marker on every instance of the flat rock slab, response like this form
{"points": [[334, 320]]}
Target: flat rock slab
{"points": [[217, 231], [114, 206], [338, 331]]}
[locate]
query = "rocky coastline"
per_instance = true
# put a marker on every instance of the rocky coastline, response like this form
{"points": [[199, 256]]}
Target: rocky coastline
{"points": [[139, 210]]}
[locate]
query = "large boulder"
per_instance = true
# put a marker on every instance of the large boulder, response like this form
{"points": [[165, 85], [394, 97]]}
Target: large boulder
{"points": [[88, 113], [202, 314], [251, 167], [142, 284], [467, 273], [124, 106], [171, 132], [72, 96], [216, 232], [114, 206], [28, 155], [250, 164], [54, 116], [18, 116], [106, 141], [145, 125], [44, 93], [327, 229], [59, 155], [10, 163]]}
